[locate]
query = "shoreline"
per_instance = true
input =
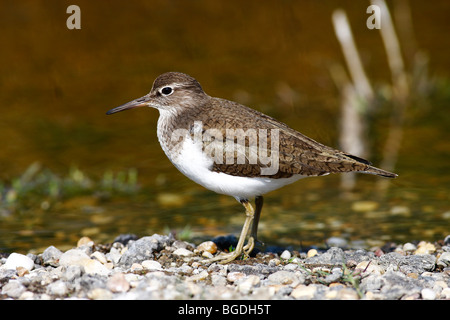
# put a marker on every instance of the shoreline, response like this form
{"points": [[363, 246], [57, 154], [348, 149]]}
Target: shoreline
{"points": [[159, 267]]}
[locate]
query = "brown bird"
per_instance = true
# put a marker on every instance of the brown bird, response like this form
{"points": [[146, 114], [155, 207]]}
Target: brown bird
{"points": [[234, 150]]}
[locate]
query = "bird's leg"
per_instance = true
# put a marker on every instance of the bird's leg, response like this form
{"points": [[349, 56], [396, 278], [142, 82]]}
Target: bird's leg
{"points": [[249, 214], [259, 200]]}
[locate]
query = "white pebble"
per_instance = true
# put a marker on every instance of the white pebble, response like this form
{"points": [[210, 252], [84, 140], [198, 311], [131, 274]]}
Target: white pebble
{"points": [[183, 252], [99, 256], [16, 260], [151, 265], [248, 283], [73, 257], [303, 292], [428, 294], [444, 259], [234, 276], [445, 293], [13, 289], [409, 247], [99, 294], [58, 288], [311, 253], [286, 255], [95, 267]]}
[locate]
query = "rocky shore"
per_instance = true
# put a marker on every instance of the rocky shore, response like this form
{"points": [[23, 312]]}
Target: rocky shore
{"points": [[161, 267]]}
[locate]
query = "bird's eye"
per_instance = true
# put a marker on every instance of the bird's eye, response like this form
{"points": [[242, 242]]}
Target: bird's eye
{"points": [[167, 91]]}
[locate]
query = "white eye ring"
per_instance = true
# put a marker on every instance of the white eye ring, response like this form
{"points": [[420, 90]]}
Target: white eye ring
{"points": [[167, 91]]}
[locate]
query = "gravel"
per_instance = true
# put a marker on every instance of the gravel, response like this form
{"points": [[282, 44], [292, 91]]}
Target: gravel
{"points": [[161, 267]]}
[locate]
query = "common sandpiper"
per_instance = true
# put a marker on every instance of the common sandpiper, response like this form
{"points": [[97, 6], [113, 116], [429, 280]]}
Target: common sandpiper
{"points": [[235, 150]]}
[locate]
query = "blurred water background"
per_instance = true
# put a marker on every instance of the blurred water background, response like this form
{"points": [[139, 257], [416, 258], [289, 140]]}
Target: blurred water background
{"points": [[67, 170]]}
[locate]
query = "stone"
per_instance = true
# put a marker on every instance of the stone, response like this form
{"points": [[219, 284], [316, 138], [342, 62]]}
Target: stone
{"points": [[58, 288], [199, 277], [425, 248], [114, 255], [311, 253], [99, 294], [85, 241], [285, 255], [246, 284], [13, 289], [428, 294], [444, 259], [369, 267], [78, 257], [334, 276], [99, 256], [285, 278], [218, 280], [332, 257], [347, 294], [95, 267], [445, 293], [395, 285], [143, 249], [303, 292], [207, 246], [73, 257], [151, 265], [16, 260], [234, 276], [409, 247], [72, 272], [51, 256], [21, 271], [118, 283], [183, 252]]}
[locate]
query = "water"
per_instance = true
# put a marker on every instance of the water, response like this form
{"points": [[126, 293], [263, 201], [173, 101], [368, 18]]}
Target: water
{"points": [[57, 85]]}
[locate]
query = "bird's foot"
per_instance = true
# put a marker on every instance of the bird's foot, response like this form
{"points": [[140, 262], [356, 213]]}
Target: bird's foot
{"points": [[224, 258]]}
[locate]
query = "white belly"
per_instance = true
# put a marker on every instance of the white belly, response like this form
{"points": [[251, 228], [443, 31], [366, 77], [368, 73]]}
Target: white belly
{"points": [[196, 165]]}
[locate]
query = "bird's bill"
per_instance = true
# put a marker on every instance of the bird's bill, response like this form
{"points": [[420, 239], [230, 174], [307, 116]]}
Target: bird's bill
{"points": [[140, 102]]}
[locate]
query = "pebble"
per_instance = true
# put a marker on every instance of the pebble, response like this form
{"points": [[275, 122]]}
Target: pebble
{"points": [[16, 260], [284, 278], [369, 267], [51, 256], [100, 294], [207, 246], [245, 285], [409, 247], [13, 289], [151, 265], [58, 288], [118, 283], [286, 255], [428, 294], [425, 248], [151, 268], [311, 253], [85, 241], [183, 252], [73, 257], [234, 276], [304, 292], [444, 260]]}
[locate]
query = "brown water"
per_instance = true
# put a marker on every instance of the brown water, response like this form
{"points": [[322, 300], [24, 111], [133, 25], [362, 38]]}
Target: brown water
{"points": [[57, 84]]}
